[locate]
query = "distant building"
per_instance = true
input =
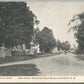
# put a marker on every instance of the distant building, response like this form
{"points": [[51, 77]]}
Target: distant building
{"points": [[34, 49], [55, 50]]}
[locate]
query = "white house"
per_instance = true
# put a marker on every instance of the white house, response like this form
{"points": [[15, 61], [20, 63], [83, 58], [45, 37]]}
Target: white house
{"points": [[34, 48]]}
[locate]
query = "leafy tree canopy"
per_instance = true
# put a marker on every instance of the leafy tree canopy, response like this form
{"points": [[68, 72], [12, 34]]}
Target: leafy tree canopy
{"points": [[16, 23], [65, 45], [79, 30], [46, 39]]}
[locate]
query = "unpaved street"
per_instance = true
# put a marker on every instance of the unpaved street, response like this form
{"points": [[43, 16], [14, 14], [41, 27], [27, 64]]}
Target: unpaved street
{"points": [[58, 65], [61, 65]]}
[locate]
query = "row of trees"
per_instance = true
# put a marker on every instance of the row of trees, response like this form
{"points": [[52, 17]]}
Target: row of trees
{"points": [[47, 41], [63, 45], [78, 27], [17, 28]]}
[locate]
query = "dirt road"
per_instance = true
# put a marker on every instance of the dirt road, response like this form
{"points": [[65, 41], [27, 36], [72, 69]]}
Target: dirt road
{"points": [[59, 65]]}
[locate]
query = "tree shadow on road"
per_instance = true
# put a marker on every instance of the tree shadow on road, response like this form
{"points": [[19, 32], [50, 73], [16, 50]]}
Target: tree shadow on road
{"points": [[19, 70]]}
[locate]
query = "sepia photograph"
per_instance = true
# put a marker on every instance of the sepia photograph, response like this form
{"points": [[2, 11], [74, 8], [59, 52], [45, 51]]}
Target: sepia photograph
{"points": [[41, 38]]}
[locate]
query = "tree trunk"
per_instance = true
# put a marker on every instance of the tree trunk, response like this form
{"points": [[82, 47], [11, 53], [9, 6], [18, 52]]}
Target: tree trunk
{"points": [[10, 51], [3, 50]]}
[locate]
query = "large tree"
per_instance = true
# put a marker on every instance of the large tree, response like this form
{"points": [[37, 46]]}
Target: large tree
{"points": [[46, 39], [65, 45], [78, 20], [16, 23]]}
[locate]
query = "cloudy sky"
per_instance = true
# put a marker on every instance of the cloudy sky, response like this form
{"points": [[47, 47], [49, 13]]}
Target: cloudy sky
{"points": [[56, 16]]}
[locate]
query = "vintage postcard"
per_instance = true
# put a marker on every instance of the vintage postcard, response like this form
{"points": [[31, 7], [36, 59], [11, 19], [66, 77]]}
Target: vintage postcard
{"points": [[41, 41]]}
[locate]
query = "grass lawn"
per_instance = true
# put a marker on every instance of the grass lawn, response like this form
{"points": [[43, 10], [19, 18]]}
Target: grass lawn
{"points": [[16, 58], [21, 58], [19, 70]]}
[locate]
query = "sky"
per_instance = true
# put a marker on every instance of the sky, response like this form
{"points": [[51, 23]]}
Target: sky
{"points": [[56, 16]]}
